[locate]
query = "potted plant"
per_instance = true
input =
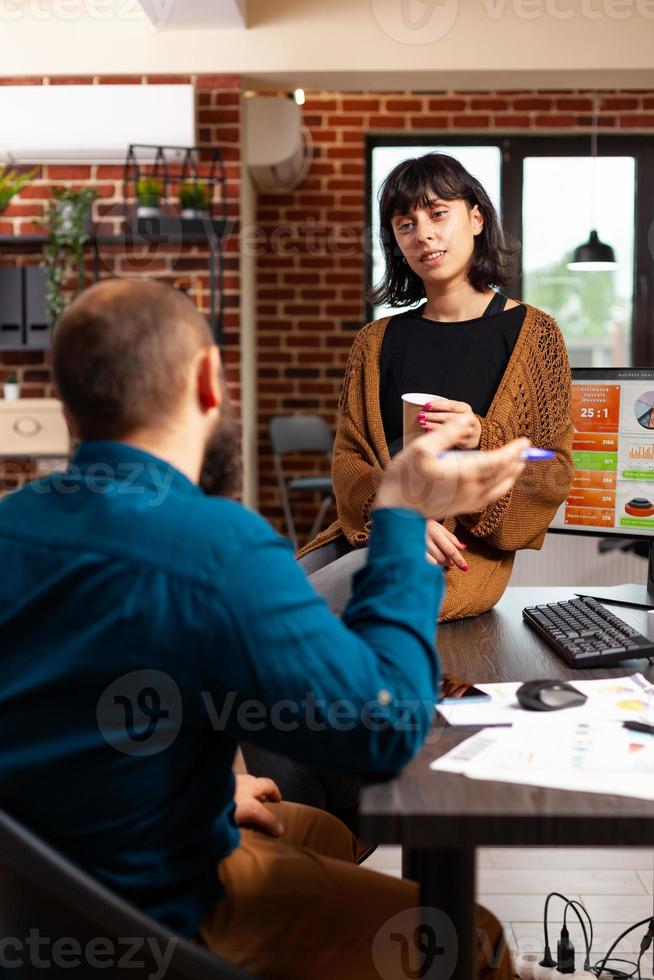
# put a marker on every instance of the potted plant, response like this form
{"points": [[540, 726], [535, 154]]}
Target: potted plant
{"points": [[195, 201], [68, 225], [11, 182], [11, 388], [149, 192]]}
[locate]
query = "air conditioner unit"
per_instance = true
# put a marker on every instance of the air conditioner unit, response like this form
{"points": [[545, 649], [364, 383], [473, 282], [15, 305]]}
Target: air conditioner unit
{"points": [[277, 147], [91, 123]]}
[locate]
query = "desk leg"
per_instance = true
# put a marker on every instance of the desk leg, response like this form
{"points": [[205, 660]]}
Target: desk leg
{"points": [[447, 883]]}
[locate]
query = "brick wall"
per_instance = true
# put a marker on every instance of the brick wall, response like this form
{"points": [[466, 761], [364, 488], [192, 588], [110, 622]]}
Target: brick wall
{"points": [[218, 125], [311, 278]]}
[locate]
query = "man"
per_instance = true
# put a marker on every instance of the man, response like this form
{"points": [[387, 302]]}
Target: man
{"points": [[146, 628]]}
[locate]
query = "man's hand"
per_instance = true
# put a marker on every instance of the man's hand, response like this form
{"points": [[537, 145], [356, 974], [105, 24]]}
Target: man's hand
{"points": [[458, 483], [251, 793], [442, 410], [444, 548]]}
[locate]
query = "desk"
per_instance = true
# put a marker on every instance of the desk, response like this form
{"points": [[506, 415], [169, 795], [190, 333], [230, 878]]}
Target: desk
{"points": [[440, 818]]}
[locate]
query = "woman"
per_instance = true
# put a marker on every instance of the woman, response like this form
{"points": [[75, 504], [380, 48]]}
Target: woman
{"points": [[500, 365]]}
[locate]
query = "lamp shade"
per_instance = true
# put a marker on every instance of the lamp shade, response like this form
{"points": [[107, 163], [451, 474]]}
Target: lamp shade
{"points": [[593, 256]]}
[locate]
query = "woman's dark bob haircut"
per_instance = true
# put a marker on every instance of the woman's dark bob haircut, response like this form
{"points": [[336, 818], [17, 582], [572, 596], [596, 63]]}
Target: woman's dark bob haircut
{"points": [[415, 183]]}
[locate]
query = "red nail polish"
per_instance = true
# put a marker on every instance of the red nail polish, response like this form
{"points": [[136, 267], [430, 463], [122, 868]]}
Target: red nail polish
{"points": [[465, 568], [421, 415], [423, 423]]}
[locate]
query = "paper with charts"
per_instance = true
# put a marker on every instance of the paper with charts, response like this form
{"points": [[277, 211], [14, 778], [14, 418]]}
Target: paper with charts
{"points": [[582, 756], [615, 698]]}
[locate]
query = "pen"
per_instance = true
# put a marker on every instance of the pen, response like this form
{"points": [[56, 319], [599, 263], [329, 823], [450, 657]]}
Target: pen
{"points": [[638, 726], [532, 455]]}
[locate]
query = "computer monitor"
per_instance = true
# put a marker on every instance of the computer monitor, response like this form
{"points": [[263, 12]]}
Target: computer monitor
{"points": [[613, 455]]}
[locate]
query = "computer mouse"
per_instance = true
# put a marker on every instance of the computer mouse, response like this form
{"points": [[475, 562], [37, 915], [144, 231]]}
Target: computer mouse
{"points": [[549, 695]]}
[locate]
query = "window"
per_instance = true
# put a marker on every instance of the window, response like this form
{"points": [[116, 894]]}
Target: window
{"points": [[550, 194]]}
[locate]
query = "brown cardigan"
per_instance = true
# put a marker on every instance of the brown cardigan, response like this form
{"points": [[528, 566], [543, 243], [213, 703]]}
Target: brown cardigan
{"points": [[533, 399]]}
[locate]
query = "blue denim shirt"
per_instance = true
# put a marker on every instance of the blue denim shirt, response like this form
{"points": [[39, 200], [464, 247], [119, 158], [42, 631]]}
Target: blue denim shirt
{"points": [[145, 628]]}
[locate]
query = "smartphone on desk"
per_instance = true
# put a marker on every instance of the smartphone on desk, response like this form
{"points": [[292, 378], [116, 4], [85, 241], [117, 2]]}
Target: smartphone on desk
{"points": [[453, 690]]}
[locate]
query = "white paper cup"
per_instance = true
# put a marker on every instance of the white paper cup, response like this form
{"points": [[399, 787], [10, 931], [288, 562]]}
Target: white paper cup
{"points": [[412, 403]]}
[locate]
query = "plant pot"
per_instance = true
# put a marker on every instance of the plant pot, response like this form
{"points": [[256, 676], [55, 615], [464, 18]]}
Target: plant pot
{"points": [[66, 211], [194, 214], [11, 391], [148, 207]]}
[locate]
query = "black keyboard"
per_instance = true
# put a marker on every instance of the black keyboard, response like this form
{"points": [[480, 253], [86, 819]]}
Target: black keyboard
{"points": [[585, 634]]}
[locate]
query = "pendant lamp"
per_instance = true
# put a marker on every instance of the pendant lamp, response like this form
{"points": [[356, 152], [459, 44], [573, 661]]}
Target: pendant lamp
{"points": [[593, 255]]}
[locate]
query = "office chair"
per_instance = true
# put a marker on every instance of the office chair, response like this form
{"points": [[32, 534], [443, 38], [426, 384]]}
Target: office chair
{"points": [[51, 910], [301, 434]]}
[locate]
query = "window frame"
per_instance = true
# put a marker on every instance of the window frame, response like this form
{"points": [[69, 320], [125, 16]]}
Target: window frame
{"points": [[514, 149]]}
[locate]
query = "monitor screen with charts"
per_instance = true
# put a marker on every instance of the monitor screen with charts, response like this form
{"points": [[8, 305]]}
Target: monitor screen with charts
{"points": [[613, 453]]}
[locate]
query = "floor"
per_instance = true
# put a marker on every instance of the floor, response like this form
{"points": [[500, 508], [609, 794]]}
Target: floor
{"points": [[615, 885]]}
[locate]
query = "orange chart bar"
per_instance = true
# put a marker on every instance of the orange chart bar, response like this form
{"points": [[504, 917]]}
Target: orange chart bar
{"points": [[589, 516], [595, 441], [595, 478], [591, 498], [595, 408]]}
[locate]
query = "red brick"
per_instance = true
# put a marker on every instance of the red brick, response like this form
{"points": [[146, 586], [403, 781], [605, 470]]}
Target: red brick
{"points": [[119, 79], [559, 122], [535, 104], [226, 98], [15, 358], [638, 120], [33, 210], [109, 172], [57, 172], [216, 81], [508, 120], [429, 122], [219, 116], [491, 104], [21, 80], [388, 121], [344, 184], [361, 105], [35, 193], [471, 122], [169, 80], [314, 104], [324, 136], [446, 105], [403, 105], [71, 79], [620, 104], [344, 152], [345, 119], [574, 105]]}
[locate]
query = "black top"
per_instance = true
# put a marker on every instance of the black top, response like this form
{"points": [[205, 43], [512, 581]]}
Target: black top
{"points": [[464, 361]]}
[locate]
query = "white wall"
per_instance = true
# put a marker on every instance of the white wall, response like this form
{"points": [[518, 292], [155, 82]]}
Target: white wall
{"points": [[345, 43]]}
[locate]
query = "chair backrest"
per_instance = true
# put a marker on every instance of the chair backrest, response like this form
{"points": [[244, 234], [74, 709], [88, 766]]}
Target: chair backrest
{"points": [[300, 434], [57, 921]]}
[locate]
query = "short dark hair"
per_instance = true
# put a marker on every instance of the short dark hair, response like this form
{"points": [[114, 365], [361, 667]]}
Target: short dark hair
{"points": [[120, 355], [414, 183]]}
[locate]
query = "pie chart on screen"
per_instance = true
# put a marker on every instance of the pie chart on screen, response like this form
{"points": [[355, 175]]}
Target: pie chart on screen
{"points": [[644, 409]]}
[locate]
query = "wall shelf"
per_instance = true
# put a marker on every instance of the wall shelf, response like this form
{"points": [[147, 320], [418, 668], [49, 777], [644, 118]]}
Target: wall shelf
{"points": [[166, 231]]}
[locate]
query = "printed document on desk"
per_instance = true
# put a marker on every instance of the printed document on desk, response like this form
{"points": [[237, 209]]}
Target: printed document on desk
{"points": [[580, 755], [615, 698]]}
